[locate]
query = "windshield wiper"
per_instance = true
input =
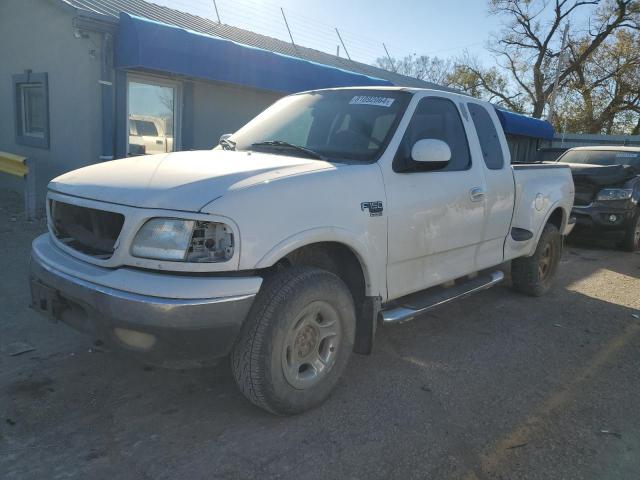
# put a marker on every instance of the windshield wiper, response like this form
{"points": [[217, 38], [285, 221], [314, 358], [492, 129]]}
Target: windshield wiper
{"points": [[283, 144], [228, 144]]}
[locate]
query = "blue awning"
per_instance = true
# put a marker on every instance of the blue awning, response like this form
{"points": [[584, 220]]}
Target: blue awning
{"points": [[145, 44], [516, 124]]}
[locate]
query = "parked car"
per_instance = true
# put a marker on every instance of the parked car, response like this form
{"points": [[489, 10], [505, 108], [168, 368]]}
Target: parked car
{"points": [[328, 213], [607, 182]]}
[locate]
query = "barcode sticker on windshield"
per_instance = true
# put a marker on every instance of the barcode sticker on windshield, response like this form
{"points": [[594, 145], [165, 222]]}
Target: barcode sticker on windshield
{"points": [[626, 155], [371, 100]]}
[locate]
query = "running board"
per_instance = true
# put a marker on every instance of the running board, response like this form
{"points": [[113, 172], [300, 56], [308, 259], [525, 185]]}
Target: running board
{"points": [[409, 307]]}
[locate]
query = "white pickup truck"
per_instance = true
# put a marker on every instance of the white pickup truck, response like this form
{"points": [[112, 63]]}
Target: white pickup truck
{"points": [[285, 246]]}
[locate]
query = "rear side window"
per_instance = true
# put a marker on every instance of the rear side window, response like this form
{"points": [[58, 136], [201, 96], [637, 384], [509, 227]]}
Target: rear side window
{"points": [[488, 136], [434, 118], [146, 128]]}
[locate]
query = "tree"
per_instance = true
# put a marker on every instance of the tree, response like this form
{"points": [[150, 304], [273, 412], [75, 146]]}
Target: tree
{"points": [[598, 79], [491, 84], [423, 67], [529, 45], [603, 93]]}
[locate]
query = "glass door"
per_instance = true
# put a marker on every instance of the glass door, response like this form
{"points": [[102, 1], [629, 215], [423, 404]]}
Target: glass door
{"points": [[152, 116]]}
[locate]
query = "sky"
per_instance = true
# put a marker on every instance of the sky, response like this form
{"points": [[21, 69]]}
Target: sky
{"points": [[442, 28]]}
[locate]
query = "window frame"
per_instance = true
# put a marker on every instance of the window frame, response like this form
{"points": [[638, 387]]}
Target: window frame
{"points": [[177, 107], [398, 164], [21, 136]]}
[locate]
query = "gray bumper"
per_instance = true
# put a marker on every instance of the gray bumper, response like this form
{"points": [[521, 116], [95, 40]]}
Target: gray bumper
{"points": [[163, 331]]}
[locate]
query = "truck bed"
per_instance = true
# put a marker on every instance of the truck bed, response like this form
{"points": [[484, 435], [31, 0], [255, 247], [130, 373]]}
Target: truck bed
{"points": [[540, 188]]}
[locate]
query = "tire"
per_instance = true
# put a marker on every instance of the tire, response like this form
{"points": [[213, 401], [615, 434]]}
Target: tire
{"points": [[631, 241], [296, 341], [534, 275]]}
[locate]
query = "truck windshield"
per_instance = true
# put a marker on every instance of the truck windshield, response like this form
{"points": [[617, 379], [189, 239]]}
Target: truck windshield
{"points": [[602, 157], [337, 125]]}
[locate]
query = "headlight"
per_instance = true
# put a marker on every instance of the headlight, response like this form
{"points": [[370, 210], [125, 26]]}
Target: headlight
{"points": [[614, 194], [183, 241]]}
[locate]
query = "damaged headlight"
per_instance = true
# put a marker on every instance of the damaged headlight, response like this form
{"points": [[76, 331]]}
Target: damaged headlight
{"points": [[614, 194], [183, 241]]}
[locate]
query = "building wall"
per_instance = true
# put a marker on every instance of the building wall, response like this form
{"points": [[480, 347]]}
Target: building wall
{"points": [[570, 140], [220, 109], [525, 149], [38, 35]]}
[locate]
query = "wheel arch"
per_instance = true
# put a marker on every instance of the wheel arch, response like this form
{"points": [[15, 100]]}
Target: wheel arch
{"points": [[558, 216], [333, 238], [346, 261]]}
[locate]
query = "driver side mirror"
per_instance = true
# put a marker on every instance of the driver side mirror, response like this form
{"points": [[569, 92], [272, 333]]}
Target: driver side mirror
{"points": [[431, 151], [224, 137]]}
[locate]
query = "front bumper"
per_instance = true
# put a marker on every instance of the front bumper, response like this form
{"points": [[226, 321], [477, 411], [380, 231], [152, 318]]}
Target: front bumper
{"points": [[172, 330], [599, 219]]}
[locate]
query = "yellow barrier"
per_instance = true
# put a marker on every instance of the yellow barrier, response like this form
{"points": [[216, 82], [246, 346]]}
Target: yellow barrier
{"points": [[22, 167], [13, 164]]}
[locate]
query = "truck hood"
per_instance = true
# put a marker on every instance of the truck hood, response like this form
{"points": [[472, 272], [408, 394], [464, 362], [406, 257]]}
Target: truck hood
{"points": [[590, 179], [182, 180], [601, 175]]}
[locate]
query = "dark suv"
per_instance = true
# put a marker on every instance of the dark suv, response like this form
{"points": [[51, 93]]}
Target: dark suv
{"points": [[607, 182]]}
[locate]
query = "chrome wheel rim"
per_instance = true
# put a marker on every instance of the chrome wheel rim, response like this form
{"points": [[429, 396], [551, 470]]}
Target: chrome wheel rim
{"points": [[545, 262], [311, 345]]}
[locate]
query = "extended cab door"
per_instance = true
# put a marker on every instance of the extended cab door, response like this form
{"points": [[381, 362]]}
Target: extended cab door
{"points": [[435, 212], [498, 174]]}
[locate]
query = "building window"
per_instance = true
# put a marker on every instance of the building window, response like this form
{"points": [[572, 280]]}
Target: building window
{"points": [[152, 116], [32, 109]]}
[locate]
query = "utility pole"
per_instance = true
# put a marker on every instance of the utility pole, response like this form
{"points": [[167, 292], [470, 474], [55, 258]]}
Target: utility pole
{"points": [[343, 46], [337, 50], [560, 66]]}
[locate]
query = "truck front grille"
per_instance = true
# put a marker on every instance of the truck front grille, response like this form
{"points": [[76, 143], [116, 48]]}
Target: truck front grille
{"points": [[87, 230]]}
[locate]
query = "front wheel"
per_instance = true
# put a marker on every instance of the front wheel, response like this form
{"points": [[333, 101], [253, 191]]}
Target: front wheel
{"points": [[631, 241], [534, 275], [296, 341]]}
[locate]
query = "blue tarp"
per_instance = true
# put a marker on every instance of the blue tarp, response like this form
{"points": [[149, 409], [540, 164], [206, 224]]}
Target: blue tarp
{"points": [[145, 44], [516, 124]]}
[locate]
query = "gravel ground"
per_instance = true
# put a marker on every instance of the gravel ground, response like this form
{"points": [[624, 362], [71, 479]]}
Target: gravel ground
{"points": [[496, 386]]}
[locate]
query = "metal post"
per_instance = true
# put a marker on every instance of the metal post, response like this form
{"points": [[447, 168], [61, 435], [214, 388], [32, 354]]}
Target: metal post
{"points": [[391, 64], [106, 95], [288, 29], [30, 189], [343, 46], [216, 7], [337, 50], [552, 99]]}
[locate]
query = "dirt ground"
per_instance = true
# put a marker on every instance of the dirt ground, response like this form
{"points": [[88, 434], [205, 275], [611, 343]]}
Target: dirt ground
{"points": [[496, 386]]}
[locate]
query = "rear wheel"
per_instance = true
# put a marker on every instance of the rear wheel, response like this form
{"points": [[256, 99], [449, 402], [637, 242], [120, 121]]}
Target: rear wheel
{"points": [[296, 341], [631, 241], [534, 275]]}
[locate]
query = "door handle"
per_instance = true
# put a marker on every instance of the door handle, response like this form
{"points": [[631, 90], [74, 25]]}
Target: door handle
{"points": [[476, 194]]}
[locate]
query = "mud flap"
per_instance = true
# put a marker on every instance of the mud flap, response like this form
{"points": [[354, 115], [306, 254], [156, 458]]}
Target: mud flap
{"points": [[367, 321]]}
